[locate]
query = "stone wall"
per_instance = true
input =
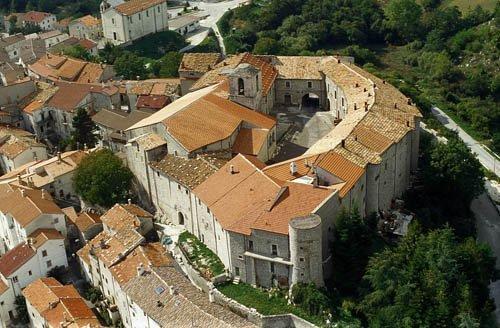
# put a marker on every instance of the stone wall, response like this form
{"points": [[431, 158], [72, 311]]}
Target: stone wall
{"points": [[265, 321]]}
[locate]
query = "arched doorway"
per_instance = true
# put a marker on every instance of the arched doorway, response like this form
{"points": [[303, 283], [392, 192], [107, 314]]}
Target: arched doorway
{"points": [[181, 218], [310, 101]]}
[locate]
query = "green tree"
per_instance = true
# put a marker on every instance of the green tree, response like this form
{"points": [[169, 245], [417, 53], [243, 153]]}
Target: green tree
{"points": [[84, 129], [453, 172], [102, 179], [78, 52], [350, 251], [429, 280], [403, 17], [22, 310], [130, 66], [169, 64], [266, 46], [109, 53]]}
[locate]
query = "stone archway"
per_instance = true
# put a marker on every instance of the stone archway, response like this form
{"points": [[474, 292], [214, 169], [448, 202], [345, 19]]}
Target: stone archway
{"points": [[310, 101]]}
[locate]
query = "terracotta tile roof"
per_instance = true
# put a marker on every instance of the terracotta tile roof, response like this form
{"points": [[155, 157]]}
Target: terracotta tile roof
{"points": [[26, 205], [149, 141], [126, 269], [46, 172], [187, 307], [111, 248], [134, 6], [268, 72], [247, 199], [64, 22], [122, 216], [199, 62], [15, 258], [14, 142], [188, 171], [57, 67], [212, 118], [88, 21], [70, 95], [59, 304], [83, 220], [342, 168], [281, 171], [35, 16], [299, 67], [152, 102], [87, 44], [250, 141], [40, 236], [39, 98]]}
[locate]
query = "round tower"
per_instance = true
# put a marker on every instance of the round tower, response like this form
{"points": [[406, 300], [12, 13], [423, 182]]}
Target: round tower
{"points": [[305, 249]]}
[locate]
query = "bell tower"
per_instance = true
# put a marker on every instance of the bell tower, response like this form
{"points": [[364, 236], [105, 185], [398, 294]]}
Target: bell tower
{"points": [[245, 86]]}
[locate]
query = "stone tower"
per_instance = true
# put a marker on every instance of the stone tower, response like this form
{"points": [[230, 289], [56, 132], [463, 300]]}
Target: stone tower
{"points": [[245, 85], [305, 249]]}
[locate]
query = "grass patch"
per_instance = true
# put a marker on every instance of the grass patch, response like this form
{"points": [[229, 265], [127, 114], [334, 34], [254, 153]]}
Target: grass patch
{"points": [[209, 44], [158, 44], [263, 303], [201, 257], [467, 5]]}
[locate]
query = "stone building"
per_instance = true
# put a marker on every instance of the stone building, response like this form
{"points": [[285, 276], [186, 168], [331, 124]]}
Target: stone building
{"points": [[86, 27], [51, 304], [44, 21], [195, 65], [273, 224], [133, 19]]}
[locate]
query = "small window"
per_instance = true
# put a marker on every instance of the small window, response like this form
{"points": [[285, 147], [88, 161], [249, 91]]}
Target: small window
{"points": [[287, 84], [342, 101], [301, 259], [14, 279], [44, 253], [309, 84], [240, 257], [139, 16], [208, 210], [158, 8], [199, 201], [241, 87], [236, 271], [30, 273], [335, 94], [250, 245], [56, 220], [49, 264], [272, 267], [147, 13], [113, 22], [178, 186], [274, 249]]}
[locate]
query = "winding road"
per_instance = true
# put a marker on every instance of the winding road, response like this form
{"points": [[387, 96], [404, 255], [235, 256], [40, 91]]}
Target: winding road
{"points": [[491, 162]]}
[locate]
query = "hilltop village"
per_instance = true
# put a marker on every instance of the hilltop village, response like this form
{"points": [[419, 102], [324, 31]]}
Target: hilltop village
{"points": [[239, 169]]}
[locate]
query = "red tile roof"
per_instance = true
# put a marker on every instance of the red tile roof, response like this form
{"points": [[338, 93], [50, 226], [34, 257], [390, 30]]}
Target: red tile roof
{"points": [[152, 102], [15, 258], [35, 16]]}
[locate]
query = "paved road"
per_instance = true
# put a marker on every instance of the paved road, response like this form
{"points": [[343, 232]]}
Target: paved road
{"points": [[215, 11], [488, 231], [488, 160]]}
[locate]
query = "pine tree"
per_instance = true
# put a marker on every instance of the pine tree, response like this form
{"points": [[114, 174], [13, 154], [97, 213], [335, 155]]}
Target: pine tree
{"points": [[83, 129]]}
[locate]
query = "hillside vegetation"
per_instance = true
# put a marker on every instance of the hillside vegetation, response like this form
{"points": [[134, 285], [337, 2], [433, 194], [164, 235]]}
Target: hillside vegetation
{"points": [[431, 50]]}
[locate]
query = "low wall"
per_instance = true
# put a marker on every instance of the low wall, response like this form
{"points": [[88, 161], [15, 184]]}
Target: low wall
{"points": [[193, 275], [265, 321]]}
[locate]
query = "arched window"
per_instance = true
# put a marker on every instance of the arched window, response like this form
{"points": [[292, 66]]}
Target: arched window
{"points": [[241, 86], [181, 218]]}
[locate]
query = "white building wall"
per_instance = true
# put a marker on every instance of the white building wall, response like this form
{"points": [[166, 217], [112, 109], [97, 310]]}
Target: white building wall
{"points": [[36, 320], [8, 308], [336, 99]]}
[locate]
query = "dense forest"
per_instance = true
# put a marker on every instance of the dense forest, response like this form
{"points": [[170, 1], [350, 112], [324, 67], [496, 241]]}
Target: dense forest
{"points": [[62, 8], [432, 51]]}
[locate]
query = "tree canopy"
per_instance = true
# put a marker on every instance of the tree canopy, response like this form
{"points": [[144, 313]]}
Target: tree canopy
{"points": [[429, 280], [84, 129], [350, 250], [102, 179], [130, 66]]}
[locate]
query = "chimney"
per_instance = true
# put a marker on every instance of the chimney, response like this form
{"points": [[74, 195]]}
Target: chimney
{"points": [[343, 143], [396, 105], [19, 179], [364, 89], [140, 269], [338, 60], [172, 290], [59, 157], [408, 123], [409, 101], [129, 201], [315, 181], [138, 77], [30, 241], [366, 106], [85, 147], [293, 168], [355, 138], [306, 163], [43, 193], [231, 169], [355, 107], [383, 81], [357, 84], [22, 193]]}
